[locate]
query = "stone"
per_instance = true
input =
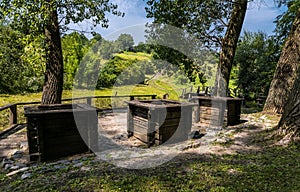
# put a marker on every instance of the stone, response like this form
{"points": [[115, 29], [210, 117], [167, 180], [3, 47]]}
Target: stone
{"points": [[17, 155], [21, 165], [76, 161], [78, 164], [6, 161], [24, 145], [97, 160], [221, 140], [65, 162], [15, 167], [196, 135], [7, 166], [60, 167], [85, 169], [26, 175]]}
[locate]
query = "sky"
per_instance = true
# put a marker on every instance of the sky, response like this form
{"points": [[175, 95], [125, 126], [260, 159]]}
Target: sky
{"points": [[259, 17]]}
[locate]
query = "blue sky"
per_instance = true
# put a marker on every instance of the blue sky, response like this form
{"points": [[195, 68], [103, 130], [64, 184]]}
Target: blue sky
{"points": [[260, 16]]}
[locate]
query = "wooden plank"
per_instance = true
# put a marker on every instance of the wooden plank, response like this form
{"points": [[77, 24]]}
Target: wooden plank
{"points": [[171, 122], [140, 112], [140, 129], [6, 107], [142, 137]]}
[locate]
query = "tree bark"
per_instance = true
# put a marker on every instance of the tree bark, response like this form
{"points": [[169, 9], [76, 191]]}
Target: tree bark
{"points": [[286, 71], [229, 44], [289, 125], [53, 85]]}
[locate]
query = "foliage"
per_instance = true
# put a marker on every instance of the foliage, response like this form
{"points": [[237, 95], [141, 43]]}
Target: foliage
{"points": [[142, 47], [124, 42], [74, 47], [86, 58], [285, 20], [49, 18], [255, 61], [19, 63], [204, 19], [182, 32], [30, 15], [123, 69]]}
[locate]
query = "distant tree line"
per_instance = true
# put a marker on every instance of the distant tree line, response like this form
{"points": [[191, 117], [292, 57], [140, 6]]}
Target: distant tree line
{"points": [[22, 64]]}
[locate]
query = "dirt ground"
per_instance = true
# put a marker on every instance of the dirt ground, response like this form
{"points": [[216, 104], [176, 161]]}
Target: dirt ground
{"points": [[117, 148]]}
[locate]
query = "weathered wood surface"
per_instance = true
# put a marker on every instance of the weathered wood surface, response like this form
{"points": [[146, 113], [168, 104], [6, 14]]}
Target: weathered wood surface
{"points": [[53, 132], [218, 111], [159, 121]]}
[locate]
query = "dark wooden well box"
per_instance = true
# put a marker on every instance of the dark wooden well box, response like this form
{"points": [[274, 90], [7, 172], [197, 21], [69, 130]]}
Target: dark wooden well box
{"points": [[159, 121], [53, 132], [218, 111]]}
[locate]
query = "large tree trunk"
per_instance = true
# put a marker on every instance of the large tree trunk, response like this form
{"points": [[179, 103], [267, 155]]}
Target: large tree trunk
{"points": [[229, 44], [289, 125], [285, 72], [53, 85]]}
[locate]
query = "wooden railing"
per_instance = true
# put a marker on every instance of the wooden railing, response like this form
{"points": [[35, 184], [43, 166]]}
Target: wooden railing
{"points": [[13, 113]]}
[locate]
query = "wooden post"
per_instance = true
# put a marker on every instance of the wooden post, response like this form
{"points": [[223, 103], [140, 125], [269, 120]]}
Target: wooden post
{"points": [[89, 100], [166, 96], [153, 96], [131, 98], [13, 116], [130, 128], [198, 90]]}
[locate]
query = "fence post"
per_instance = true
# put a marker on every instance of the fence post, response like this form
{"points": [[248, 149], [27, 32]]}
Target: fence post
{"points": [[153, 96], [89, 100], [13, 116], [166, 96], [131, 98]]}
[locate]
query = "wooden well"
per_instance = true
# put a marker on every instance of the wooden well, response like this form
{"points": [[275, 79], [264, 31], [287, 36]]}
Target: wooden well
{"points": [[159, 121], [218, 111], [53, 132]]}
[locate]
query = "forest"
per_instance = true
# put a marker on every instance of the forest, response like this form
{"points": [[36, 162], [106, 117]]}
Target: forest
{"points": [[189, 45]]}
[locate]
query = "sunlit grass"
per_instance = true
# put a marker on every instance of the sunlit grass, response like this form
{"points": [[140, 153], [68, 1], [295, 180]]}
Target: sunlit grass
{"points": [[157, 87], [140, 56]]}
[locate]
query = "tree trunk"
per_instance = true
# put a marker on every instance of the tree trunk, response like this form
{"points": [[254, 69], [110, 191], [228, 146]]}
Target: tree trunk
{"points": [[289, 125], [286, 71], [229, 44], [53, 85]]}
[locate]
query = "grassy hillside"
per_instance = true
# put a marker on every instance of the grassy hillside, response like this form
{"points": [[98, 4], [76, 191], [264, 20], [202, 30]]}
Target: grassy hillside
{"points": [[140, 56]]}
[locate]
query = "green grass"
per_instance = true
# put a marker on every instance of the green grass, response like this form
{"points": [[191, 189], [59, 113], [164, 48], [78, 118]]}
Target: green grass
{"points": [[158, 87], [272, 169], [140, 56]]}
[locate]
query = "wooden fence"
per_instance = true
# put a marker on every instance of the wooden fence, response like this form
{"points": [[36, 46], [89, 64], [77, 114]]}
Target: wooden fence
{"points": [[13, 113]]}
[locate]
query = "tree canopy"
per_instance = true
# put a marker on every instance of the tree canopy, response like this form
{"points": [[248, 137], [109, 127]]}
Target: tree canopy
{"points": [[49, 18]]}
